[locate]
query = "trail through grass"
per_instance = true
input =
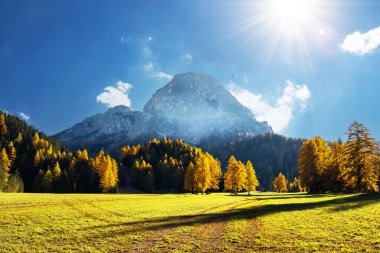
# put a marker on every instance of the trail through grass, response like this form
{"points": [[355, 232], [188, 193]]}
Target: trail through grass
{"points": [[263, 222]]}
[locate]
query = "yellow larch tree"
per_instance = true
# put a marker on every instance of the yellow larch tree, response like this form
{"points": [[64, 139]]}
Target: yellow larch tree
{"points": [[11, 152], [4, 169], [19, 138], [106, 168], [313, 160], [252, 182], [3, 126], [215, 170], [38, 157], [36, 139], [235, 177], [189, 178], [202, 174], [362, 160], [280, 183], [295, 186], [57, 170]]}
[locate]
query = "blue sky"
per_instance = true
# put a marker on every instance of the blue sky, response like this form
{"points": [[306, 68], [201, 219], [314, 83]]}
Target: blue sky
{"points": [[309, 69]]}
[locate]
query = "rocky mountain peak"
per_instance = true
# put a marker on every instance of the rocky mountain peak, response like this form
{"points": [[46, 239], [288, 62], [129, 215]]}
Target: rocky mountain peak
{"points": [[192, 106]]}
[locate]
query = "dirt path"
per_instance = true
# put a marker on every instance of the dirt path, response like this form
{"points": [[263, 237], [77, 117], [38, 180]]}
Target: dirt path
{"points": [[206, 236]]}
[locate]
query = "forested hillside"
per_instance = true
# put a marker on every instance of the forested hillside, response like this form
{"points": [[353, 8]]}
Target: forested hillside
{"points": [[32, 162], [169, 166], [269, 153]]}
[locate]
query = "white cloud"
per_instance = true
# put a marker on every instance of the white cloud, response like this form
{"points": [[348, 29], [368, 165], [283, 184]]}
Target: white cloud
{"points": [[163, 75], [150, 38], [24, 116], [148, 67], [361, 43], [114, 96], [188, 57], [279, 115]]}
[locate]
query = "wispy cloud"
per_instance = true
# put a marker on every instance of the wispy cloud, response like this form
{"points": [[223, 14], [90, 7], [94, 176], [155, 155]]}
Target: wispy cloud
{"points": [[361, 43], [278, 116], [148, 67], [136, 39], [163, 75], [151, 69], [24, 116], [188, 57], [114, 96]]}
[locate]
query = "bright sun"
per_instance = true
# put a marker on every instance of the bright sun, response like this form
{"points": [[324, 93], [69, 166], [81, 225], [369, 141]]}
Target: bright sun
{"points": [[289, 27], [290, 10], [291, 15]]}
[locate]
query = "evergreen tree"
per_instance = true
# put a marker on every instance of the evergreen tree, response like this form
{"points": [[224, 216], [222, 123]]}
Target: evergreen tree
{"points": [[47, 182], [38, 182], [280, 183], [142, 176], [251, 182], [362, 160]]}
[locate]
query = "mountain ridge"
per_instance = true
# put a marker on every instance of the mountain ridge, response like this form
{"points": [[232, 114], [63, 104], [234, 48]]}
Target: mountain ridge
{"points": [[192, 106]]}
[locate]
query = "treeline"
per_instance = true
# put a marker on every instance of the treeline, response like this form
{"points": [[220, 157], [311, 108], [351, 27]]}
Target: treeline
{"points": [[352, 166], [169, 166], [270, 153], [32, 162], [174, 166]]}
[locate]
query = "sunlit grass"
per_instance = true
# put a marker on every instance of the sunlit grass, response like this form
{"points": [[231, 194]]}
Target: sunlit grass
{"points": [[189, 223]]}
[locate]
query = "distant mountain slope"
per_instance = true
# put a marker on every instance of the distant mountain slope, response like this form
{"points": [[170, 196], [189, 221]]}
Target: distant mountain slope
{"points": [[269, 153], [191, 107]]}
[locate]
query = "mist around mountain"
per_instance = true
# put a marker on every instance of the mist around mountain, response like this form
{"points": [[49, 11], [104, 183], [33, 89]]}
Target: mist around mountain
{"points": [[192, 107]]}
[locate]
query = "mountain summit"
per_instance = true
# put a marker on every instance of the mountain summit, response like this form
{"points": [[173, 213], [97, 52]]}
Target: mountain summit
{"points": [[191, 106], [194, 106]]}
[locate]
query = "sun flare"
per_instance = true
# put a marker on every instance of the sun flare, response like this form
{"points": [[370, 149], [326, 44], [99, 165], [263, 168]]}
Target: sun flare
{"points": [[291, 11], [290, 27], [291, 17]]}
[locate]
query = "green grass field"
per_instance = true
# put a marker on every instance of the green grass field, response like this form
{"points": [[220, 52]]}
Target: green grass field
{"points": [[263, 222]]}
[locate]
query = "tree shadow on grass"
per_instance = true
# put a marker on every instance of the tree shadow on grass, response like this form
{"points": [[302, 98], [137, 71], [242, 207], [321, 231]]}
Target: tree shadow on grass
{"points": [[173, 222], [273, 196]]}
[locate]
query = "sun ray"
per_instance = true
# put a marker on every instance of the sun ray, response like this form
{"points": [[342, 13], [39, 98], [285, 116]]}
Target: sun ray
{"points": [[290, 27]]}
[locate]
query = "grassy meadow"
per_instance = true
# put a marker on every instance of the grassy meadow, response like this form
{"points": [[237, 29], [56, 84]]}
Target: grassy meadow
{"points": [[219, 222]]}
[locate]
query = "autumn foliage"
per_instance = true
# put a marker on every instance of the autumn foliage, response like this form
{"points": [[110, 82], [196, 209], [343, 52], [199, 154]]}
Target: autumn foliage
{"points": [[341, 167]]}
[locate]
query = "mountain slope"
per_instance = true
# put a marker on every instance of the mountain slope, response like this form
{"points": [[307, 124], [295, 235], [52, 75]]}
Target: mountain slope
{"points": [[194, 106]]}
